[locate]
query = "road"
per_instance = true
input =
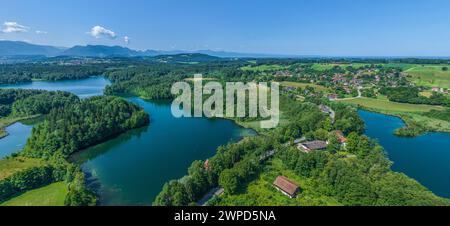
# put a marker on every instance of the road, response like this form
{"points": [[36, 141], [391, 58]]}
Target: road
{"points": [[352, 98]]}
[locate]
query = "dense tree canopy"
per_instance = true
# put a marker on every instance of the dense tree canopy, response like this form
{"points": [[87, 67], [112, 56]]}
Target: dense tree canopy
{"points": [[81, 125]]}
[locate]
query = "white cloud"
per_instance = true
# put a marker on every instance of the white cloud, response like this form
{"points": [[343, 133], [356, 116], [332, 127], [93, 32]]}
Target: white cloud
{"points": [[99, 31], [126, 39], [41, 32], [14, 27]]}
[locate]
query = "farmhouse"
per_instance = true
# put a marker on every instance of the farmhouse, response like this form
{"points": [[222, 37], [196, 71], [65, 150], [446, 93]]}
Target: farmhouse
{"points": [[332, 97], [286, 186], [340, 136], [311, 146]]}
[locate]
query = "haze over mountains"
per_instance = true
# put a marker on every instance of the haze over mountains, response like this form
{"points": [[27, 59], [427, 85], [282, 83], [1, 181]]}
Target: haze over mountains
{"points": [[18, 48]]}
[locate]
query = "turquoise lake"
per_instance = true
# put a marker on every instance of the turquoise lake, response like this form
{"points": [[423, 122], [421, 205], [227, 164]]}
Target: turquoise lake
{"points": [[19, 132], [132, 168], [425, 158]]}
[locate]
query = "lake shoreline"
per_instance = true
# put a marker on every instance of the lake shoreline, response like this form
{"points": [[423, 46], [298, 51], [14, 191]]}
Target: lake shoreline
{"points": [[407, 123], [412, 156]]}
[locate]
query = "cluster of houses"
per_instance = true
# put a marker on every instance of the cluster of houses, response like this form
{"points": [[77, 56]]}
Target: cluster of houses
{"points": [[283, 74], [284, 184], [440, 90]]}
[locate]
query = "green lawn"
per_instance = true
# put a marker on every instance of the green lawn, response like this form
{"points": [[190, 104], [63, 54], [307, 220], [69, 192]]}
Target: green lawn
{"points": [[402, 66], [12, 165], [388, 106], [51, 195], [260, 191], [304, 85], [430, 76]]}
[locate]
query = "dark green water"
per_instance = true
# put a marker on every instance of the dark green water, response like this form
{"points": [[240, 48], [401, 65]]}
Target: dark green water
{"points": [[132, 168], [425, 158]]}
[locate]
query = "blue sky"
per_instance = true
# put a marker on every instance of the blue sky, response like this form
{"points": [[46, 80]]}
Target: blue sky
{"points": [[302, 27]]}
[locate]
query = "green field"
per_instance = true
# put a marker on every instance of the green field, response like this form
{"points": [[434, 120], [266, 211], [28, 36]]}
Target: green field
{"points": [[304, 85], [263, 68], [410, 113], [260, 191], [386, 105], [430, 76], [323, 67], [12, 165], [51, 195]]}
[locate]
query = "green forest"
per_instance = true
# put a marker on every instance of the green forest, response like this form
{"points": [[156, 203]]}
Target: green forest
{"points": [[359, 174]]}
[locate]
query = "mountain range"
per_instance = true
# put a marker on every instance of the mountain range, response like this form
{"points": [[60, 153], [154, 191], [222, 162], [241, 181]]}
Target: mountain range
{"points": [[18, 48]]}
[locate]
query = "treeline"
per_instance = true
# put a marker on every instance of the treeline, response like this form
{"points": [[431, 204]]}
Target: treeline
{"points": [[411, 95], [235, 164], [22, 103], [19, 73], [230, 167], [358, 173], [43, 103], [81, 125], [28, 179], [155, 81], [365, 179], [64, 131]]}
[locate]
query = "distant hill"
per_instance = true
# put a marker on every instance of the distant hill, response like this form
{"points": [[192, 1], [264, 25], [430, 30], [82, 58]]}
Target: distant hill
{"points": [[16, 48], [100, 51], [188, 58]]}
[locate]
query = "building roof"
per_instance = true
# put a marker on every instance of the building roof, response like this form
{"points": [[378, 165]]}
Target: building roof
{"points": [[286, 185], [340, 136], [315, 145], [324, 109], [206, 165]]}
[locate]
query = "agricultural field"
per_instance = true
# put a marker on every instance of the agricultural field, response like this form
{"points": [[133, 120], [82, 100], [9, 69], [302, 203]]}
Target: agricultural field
{"points": [[263, 68], [304, 85], [50, 195], [386, 105], [10, 166], [260, 192], [430, 76]]}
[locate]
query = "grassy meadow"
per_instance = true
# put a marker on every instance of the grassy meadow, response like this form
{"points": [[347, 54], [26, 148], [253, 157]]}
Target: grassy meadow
{"points": [[388, 106], [10, 166], [260, 192], [50, 195], [430, 76]]}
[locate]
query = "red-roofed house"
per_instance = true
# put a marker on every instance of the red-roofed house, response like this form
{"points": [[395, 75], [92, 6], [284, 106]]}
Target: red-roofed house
{"points": [[286, 186]]}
